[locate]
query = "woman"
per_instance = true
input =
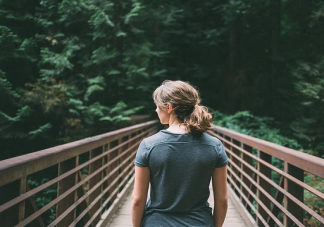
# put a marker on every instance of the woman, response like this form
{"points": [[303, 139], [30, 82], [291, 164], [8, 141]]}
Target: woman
{"points": [[179, 163]]}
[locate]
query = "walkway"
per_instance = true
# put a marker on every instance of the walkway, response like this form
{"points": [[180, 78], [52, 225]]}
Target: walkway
{"points": [[122, 218]]}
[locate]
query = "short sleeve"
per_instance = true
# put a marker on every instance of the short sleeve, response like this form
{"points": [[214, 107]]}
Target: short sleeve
{"points": [[222, 159], [141, 158]]}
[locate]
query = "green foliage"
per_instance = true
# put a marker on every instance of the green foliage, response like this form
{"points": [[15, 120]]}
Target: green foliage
{"points": [[22, 113], [100, 19], [120, 113], [40, 130], [318, 13], [50, 97], [8, 41], [6, 86], [135, 12], [91, 89], [59, 61], [314, 202], [310, 86], [78, 68], [236, 9], [11, 127], [260, 127], [84, 66], [44, 197]]}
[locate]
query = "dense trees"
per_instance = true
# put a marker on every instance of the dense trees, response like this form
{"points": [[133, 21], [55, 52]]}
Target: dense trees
{"points": [[68, 68], [75, 68]]}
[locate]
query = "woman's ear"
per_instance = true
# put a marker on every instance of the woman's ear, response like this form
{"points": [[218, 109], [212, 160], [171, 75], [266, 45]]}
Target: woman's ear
{"points": [[170, 108]]}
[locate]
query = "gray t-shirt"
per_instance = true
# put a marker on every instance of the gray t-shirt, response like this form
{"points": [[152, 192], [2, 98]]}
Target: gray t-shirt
{"points": [[181, 167]]}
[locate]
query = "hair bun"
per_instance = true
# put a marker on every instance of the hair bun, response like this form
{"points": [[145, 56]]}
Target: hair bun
{"points": [[200, 120]]}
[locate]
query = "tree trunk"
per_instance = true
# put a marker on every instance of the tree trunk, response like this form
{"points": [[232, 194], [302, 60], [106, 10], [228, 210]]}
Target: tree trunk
{"points": [[275, 19], [231, 86]]}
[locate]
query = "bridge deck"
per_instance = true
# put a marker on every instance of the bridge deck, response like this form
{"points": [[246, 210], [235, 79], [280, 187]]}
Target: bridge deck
{"points": [[122, 218]]}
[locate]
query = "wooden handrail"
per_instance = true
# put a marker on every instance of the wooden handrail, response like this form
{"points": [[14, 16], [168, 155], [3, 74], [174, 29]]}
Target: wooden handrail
{"points": [[301, 160], [88, 176], [250, 175], [36, 161]]}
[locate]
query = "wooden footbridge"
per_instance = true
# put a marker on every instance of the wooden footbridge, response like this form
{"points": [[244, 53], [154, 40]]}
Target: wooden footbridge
{"points": [[87, 182]]}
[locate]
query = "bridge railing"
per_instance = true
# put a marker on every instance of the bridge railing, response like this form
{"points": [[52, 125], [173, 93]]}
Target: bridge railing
{"points": [[271, 181], [84, 180]]}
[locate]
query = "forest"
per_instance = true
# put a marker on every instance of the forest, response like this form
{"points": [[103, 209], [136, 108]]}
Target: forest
{"points": [[71, 69]]}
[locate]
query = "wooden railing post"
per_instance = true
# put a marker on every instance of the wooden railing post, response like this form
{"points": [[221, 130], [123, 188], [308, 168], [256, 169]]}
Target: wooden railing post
{"points": [[265, 185], [120, 151], [122, 159], [62, 186], [112, 166], [226, 145], [93, 181], [10, 216], [248, 171], [130, 152], [22, 205], [296, 191], [104, 160], [238, 163], [109, 168]]}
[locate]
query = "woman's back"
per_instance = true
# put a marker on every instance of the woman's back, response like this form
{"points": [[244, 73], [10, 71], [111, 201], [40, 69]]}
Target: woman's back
{"points": [[181, 166]]}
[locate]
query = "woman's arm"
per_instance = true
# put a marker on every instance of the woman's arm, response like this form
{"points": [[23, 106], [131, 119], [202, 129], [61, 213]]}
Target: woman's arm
{"points": [[139, 196], [220, 195]]}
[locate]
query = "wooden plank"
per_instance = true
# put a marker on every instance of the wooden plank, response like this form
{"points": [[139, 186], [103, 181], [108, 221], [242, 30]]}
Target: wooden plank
{"points": [[123, 196], [235, 204]]}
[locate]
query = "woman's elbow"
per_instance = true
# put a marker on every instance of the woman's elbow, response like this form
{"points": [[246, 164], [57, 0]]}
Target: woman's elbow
{"points": [[138, 201], [223, 201]]}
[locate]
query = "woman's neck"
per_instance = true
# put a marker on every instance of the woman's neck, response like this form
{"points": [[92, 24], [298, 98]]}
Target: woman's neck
{"points": [[177, 127]]}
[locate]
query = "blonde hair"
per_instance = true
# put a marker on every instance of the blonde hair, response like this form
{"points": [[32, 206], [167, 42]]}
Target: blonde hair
{"points": [[186, 103]]}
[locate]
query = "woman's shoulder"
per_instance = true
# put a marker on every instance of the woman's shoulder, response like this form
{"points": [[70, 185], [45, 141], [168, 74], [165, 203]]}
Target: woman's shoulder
{"points": [[207, 138], [154, 139]]}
